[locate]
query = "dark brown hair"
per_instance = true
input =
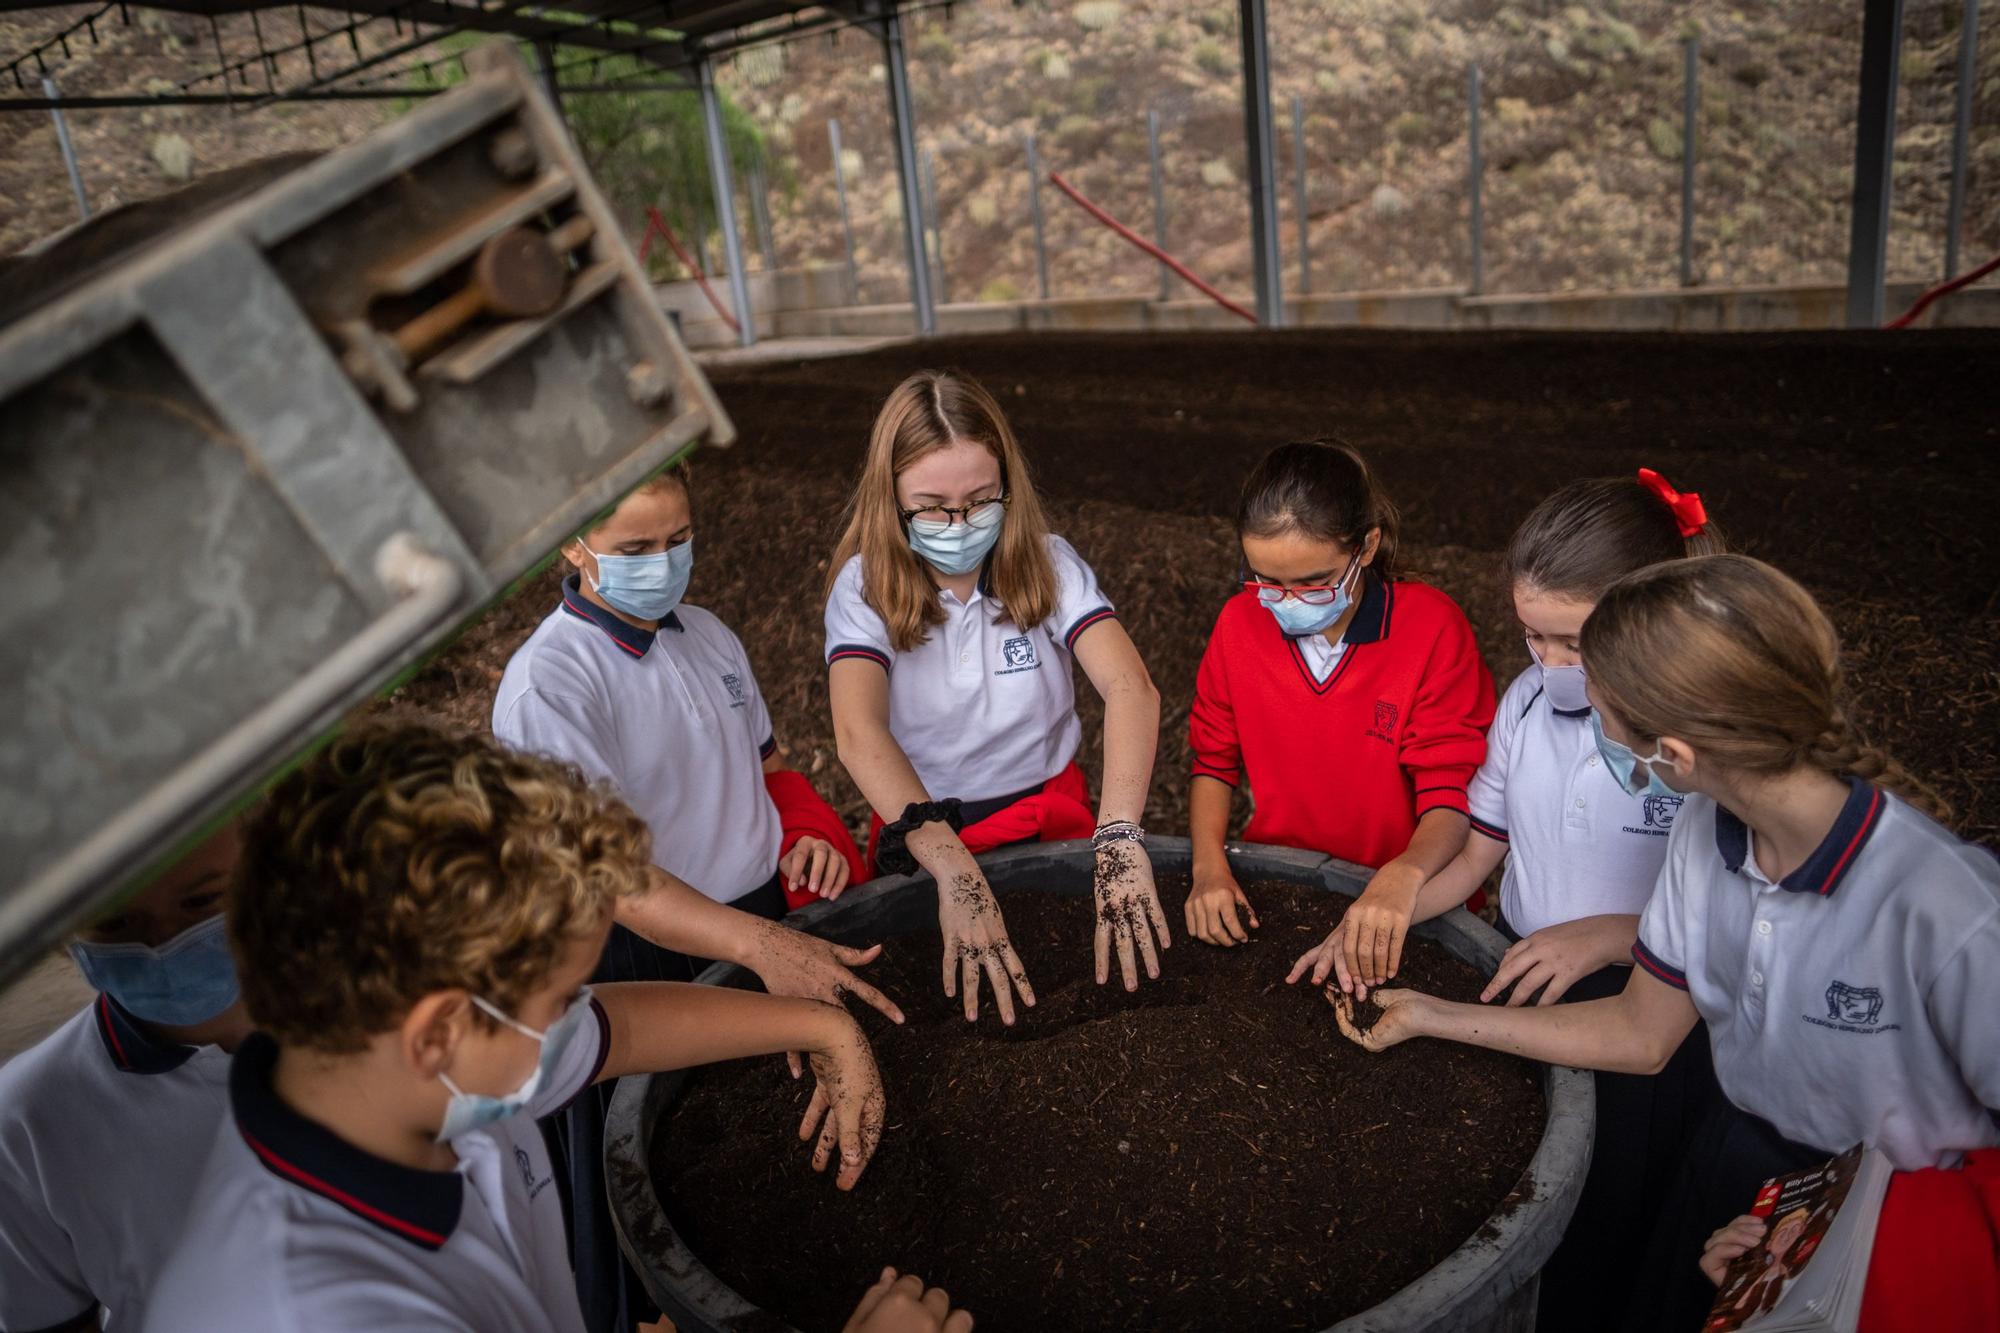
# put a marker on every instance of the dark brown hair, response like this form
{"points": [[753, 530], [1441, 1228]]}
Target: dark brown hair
{"points": [[1592, 533], [1320, 489], [1737, 660]]}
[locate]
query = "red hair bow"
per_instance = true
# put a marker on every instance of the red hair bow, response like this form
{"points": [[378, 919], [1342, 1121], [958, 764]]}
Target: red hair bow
{"points": [[1687, 510]]}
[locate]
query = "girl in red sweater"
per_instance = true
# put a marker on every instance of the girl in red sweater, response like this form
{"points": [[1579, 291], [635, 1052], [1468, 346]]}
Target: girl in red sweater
{"points": [[1355, 704]]}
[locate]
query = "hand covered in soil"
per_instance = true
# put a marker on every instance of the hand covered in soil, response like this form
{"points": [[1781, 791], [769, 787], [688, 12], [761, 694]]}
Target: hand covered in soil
{"points": [[1328, 958], [1553, 959], [905, 1305], [1128, 912], [791, 962], [975, 945], [1211, 908], [1376, 1024], [814, 865], [1740, 1236], [847, 1106]]}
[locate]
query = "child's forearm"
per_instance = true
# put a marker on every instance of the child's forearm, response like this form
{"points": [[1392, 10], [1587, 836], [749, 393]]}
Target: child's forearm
{"points": [[662, 1025], [1131, 738], [675, 915], [1455, 883], [1633, 1032], [1440, 836], [1208, 820]]}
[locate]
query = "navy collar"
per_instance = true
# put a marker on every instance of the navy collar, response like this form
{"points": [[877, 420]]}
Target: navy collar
{"points": [[421, 1207], [631, 638], [1822, 872], [1371, 618], [131, 1047]]}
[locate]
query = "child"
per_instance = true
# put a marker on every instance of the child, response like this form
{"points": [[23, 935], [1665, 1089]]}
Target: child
{"points": [[105, 1123], [415, 918], [1355, 703], [1581, 857], [951, 620], [1843, 949], [637, 688]]}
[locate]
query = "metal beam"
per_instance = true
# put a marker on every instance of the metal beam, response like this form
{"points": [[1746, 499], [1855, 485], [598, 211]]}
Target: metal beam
{"points": [[1475, 173], [1690, 136], [903, 124], [1261, 157], [723, 181], [68, 148], [1968, 74], [1874, 153], [1035, 208]]}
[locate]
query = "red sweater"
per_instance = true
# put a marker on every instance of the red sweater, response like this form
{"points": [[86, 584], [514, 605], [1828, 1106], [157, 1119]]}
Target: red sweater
{"points": [[1349, 766]]}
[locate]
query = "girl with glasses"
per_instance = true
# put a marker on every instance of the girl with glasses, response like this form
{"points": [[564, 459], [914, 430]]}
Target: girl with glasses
{"points": [[952, 617]]}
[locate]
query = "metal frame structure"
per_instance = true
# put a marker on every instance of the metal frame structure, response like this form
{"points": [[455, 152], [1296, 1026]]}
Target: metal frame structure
{"points": [[1874, 157], [1267, 266]]}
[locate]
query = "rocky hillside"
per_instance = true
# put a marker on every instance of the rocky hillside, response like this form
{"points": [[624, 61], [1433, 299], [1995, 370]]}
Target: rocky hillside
{"points": [[1582, 135]]}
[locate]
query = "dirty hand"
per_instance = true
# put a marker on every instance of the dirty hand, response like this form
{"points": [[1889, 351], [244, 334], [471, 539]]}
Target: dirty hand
{"points": [[814, 865], [1211, 908], [975, 945], [1552, 959], [847, 1106], [791, 962], [1398, 1021], [1741, 1236], [905, 1305], [1379, 921], [1328, 958], [1128, 910]]}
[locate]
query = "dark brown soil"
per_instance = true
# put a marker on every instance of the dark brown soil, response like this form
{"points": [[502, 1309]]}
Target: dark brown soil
{"points": [[1865, 464], [1207, 1152]]}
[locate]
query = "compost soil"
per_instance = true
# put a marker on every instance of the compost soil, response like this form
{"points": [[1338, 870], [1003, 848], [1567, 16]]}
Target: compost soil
{"points": [[1862, 463], [1206, 1152]]}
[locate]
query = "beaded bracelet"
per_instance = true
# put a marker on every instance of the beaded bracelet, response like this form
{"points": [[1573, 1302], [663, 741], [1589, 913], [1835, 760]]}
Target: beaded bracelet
{"points": [[1118, 830]]}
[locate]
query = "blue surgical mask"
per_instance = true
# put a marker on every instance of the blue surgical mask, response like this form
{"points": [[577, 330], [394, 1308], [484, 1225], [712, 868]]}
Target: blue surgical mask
{"points": [[1564, 684], [1302, 619], [957, 548], [468, 1111], [648, 587], [188, 980], [1624, 765]]}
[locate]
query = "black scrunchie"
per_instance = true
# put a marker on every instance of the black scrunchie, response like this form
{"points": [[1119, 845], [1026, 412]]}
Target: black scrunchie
{"points": [[891, 856]]}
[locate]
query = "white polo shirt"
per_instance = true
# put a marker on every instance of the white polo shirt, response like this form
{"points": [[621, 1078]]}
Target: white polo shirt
{"points": [[295, 1230], [982, 707], [1858, 1000], [1577, 843], [103, 1130], [673, 719]]}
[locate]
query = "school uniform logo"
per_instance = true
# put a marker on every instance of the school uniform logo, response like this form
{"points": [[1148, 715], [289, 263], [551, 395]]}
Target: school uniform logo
{"points": [[1385, 722], [1660, 811], [1851, 1008], [528, 1181], [1017, 654], [734, 684]]}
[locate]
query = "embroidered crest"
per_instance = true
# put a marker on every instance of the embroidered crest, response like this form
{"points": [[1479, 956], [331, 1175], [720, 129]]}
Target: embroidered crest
{"points": [[1660, 811], [528, 1180], [1854, 1004], [734, 684], [1018, 654], [1385, 721]]}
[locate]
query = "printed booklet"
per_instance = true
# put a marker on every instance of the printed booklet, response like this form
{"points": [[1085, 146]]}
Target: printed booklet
{"points": [[1806, 1276]]}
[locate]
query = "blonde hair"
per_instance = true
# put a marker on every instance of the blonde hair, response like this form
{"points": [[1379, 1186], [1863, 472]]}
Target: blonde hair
{"points": [[401, 861], [932, 410], [1737, 660]]}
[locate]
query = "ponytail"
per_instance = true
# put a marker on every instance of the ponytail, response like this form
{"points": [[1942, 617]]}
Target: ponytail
{"points": [[1841, 751], [1591, 533]]}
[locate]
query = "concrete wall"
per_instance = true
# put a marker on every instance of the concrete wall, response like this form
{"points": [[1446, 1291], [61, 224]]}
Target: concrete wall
{"points": [[810, 303]]}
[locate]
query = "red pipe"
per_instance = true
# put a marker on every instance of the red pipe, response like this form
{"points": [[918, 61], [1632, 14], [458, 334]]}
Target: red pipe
{"points": [[1151, 249], [1939, 292], [657, 224]]}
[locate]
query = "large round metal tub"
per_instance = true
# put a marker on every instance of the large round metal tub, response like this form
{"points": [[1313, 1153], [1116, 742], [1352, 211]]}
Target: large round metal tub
{"points": [[1489, 1283]]}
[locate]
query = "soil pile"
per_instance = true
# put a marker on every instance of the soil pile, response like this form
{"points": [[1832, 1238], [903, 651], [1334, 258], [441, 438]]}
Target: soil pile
{"points": [[1206, 1152]]}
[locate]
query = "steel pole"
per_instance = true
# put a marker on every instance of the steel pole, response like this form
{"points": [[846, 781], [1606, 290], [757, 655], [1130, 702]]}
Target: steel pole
{"points": [[1260, 156], [1954, 218], [1475, 171], [1299, 189], [1035, 208], [902, 123], [50, 91], [1159, 198], [846, 222], [1874, 155], [722, 180]]}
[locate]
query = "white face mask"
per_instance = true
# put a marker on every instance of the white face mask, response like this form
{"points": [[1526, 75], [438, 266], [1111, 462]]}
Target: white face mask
{"points": [[468, 1111], [1564, 685]]}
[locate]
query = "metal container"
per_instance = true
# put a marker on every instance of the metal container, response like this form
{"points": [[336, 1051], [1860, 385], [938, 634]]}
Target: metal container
{"points": [[1488, 1284], [263, 447]]}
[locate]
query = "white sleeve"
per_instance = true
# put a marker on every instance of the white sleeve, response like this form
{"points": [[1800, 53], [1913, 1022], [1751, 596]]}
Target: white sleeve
{"points": [[1080, 603], [1662, 946], [1964, 998], [581, 1062], [853, 629], [41, 1281], [560, 727], [1486, 795]]}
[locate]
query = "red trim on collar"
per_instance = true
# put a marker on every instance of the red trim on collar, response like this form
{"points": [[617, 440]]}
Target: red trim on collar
{"points": [[110, 1031], [582, 614], [1854, 844], [422, 1235]]}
